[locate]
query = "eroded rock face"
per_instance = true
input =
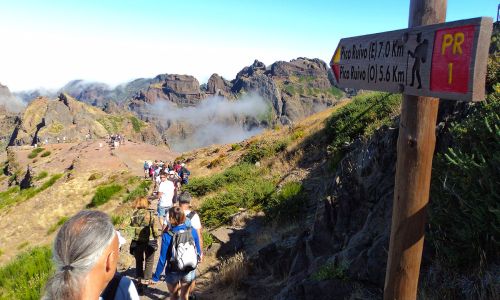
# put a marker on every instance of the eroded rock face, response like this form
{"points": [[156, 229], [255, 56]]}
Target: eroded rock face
{"points": [[219, 86], [68, 120]]}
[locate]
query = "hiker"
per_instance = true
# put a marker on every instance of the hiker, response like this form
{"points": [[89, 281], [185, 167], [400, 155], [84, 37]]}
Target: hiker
{"points": [[85, 254], [177, 166], [192, 217], [179, 266], [174, 177], [184, 174], [145, 242], [165, 196], [146, 169]]}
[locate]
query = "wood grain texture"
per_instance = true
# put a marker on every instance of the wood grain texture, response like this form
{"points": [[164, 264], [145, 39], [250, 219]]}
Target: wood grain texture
{"points": [[415, 150]]}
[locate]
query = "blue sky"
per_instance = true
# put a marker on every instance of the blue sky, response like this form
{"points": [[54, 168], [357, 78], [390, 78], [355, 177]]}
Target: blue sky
{"points": [[48, 43]]}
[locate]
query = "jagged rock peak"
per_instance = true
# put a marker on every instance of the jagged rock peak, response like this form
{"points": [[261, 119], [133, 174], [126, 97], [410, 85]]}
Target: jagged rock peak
{"points": [[64, 99]]}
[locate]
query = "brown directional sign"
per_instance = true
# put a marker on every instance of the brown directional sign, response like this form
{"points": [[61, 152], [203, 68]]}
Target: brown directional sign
{"points": [[446, 60]]}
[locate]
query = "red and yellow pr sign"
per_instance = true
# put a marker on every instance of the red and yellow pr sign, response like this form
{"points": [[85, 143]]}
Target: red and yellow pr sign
{"points": [[451, 59]]}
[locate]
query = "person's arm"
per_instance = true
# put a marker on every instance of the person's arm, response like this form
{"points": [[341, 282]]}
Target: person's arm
{"points": [[196, 240], [162, 260], [200, 237], [196, 223], [154, 227]]}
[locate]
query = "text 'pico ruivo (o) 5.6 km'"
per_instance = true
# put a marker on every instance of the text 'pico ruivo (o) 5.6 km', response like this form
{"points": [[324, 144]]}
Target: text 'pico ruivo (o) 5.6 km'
{"points": [[446, 60]]}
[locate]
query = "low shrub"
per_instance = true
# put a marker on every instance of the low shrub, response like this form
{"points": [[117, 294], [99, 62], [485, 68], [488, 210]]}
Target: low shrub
{"points": [[140, 191], [117, 219], [331, 271], [95, 176], [257, 151], [235, 147], [208, 239], [286, 204], [26, 275], [465, 199], [252, 192], [35, 152], [216, 162], [103, 194], [200, 186], [45, 154]]}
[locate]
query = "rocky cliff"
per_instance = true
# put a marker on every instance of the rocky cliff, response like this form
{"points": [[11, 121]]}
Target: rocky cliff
{"points": [[68, 120], [292, 90], [10, 108]]}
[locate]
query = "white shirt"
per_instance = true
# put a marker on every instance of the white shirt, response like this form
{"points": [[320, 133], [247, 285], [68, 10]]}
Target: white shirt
{"points": [[195, 220], [167, 189]]}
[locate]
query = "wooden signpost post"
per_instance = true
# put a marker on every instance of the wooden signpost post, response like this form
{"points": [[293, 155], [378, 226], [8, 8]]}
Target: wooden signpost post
{"points": [[427, 61]]}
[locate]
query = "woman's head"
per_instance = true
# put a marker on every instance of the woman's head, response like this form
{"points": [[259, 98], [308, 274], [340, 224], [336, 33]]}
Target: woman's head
{"points": [[140, 203], [176, 216], [80, 243]]}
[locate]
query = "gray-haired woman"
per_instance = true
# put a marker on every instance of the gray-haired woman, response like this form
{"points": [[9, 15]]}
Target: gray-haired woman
{"points": [[85, 254]]}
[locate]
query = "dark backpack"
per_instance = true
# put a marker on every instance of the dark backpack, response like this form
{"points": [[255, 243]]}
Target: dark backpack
{"points": [[183, 256]]}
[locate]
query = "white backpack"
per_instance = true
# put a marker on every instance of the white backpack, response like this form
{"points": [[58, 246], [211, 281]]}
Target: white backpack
{"points": [[183, 249]]}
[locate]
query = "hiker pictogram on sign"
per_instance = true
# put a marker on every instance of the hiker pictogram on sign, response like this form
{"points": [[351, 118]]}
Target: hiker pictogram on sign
{"points": [[446, 60], [420, 55]]}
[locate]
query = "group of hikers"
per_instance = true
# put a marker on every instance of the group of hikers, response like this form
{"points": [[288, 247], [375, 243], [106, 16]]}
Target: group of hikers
{"points": [[86, 248], [116, 140]]}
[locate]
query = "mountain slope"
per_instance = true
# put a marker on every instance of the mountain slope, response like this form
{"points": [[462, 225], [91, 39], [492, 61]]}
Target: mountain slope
{"points": [[65, 119]]}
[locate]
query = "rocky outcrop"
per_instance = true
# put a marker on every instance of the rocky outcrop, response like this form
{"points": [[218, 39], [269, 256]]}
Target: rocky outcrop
{"points": [[295, 89], [219, 86], [68, 120]]}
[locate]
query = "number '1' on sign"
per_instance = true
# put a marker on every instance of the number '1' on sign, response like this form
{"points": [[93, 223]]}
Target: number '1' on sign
{"points": [[445, 60]]}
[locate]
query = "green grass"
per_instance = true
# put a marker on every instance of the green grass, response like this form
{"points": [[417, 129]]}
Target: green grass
{"points": [[112, 124], [140, 191], [1, 252], [136, 124], [465, 199], [246, 186], [45, 154], [26, 275], [35, 152], [103, 194], [41, 175], [235, 147], [59, 223], [208, 239], [15, 195], [118, 219], [262, 149], [331, 271], [360, 118], [200, 186], [286, 203]]}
